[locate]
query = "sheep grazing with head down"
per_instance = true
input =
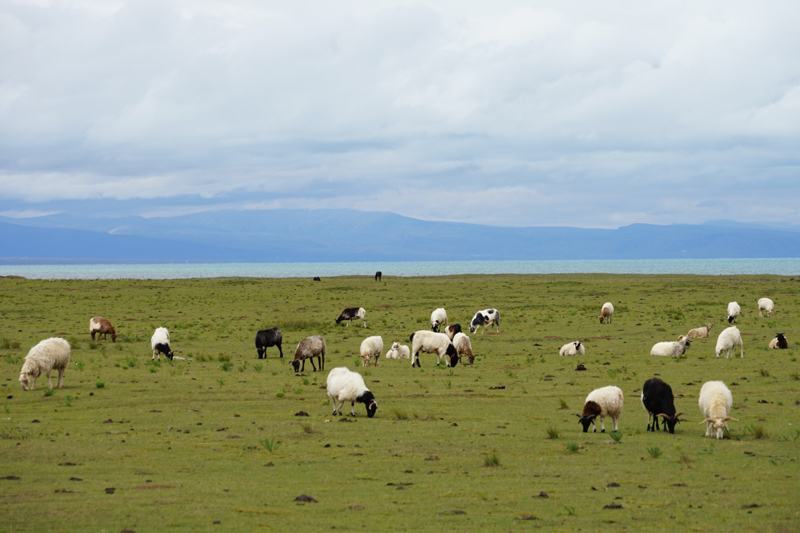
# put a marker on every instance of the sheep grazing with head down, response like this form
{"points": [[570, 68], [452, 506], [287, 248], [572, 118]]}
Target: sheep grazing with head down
{"points": [[438, 319], [160, 344], [430, 342], [658, 401], [371, 347], [452, 329], [671, 349], [484, 319], [727, 342], [353, 313], [345, 385], [102, 328], [699, 333], [765, 305], [50, 354], [572, 348], [779, 342], [715, 403], [734, 309], [398, 351], [266, 338], [463, 347], [603, 402], [606, 312], [309, 348]]}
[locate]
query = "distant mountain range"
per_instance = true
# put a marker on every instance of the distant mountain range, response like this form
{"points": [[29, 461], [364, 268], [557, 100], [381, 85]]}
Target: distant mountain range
{"points": [[344, 235]]}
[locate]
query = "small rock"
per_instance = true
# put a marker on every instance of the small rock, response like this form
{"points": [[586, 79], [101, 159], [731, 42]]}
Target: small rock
{"points": [[75, 479], [612, 506], [110, 490], [612, 484], [455, 511], [751, 506], [66, 464], [305, 498], [301, 413], [432, 458], [9, 477], [542, 494], [215, 522], [580, 367], [356, 507], [34, 421], [526, 517]]}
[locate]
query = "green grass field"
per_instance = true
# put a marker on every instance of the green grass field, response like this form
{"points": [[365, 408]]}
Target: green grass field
{"points": [[213, 443]]}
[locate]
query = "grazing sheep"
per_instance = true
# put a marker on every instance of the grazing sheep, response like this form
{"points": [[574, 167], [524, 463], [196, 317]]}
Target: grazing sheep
{"points": [[371, 347], [657, 400], [345, 385], [102, 327], [779, 342], [160, 344], [484, 319], [309, 348], [266, 338], [463, 347], [765, 304], [728, 340], [603, 402], [733, 312], [572, 348], [398, 351], [317, 278], [452, 329], [438, 318], [606, 312], [352, 313], [431, 342], [699, 333], [50, 354], [671, 349], [715, 403], [378, 275]]}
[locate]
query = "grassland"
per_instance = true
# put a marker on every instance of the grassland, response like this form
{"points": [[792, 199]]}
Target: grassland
{"points": [[213, 443]]}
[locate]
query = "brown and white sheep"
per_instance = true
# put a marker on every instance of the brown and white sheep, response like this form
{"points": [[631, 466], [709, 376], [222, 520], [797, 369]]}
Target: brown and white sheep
{"points": [[102, 327]]}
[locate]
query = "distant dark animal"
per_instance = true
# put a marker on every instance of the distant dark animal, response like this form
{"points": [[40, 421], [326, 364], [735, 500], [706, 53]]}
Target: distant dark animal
{"points": [[779, 342], [378, 275], [266, 338], [309, 348], [658, 401], [352, 313], [316, 278], [102, 327], [484, 319]]}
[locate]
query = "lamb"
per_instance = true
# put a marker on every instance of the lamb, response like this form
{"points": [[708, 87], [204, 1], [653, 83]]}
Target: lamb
{"points": [[371, 347], [699, 333], [309, 348], [779, 342], [351, 313], [50, 354], [715, 403], [463, 347], [606, 312], [431, 342], [671, 349], [398, 351], [603, 402], [160, 344], [266, 338], [102, 327], [765, 304], [727, 342], [733, 311], [452, 329], [572, 348], [438, 318], [657, 400], [484, 319], [345, 385]]}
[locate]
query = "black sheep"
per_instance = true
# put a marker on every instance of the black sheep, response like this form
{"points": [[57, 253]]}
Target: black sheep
{"points": [[266, 338], [657, 399]]}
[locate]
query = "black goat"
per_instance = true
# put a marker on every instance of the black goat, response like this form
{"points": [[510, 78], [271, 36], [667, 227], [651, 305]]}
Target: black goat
{"points": [[658, 401]]}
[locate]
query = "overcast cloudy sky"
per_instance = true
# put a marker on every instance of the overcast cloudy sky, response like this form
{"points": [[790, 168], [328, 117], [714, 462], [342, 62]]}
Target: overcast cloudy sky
{"points": [[578, 113]]}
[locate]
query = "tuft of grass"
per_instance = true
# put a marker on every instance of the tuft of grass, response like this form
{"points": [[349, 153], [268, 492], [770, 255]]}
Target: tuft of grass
{"points": [[153, 369], [616, 435], [280, 394], [258, 367], [491, 460], [100, 384], [271, 445], [764, 372], [223, 358], [80, 366], [399, 414], [226, 366], [308, 427], [655, 452], [572, 447], [552, 433], [49, 392], [8, 344], [562, 404], [68, 401], [758, 432], [447, 383], [686, 460], [570, 510], [221, 382]]}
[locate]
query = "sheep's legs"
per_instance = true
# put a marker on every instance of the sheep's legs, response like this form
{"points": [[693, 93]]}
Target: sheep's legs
{"points": [[60, 377], [49, 382], [352, 408], [311, 360], [334, 406]]}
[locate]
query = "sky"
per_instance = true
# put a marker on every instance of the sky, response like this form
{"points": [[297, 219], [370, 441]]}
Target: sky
{"points": [[536, 113]]}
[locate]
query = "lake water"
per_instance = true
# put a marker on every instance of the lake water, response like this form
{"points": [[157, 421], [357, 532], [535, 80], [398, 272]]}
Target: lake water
{"points": [[784, 267]]}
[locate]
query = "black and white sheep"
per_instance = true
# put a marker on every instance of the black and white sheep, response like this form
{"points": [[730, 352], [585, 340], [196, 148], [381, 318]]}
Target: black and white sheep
{"points": [[715, 403], [371, 347], [765, 305], [344, 385], [266, 338], [398, 351], [658, 401], [160, 344], [352, 313], [671, 348], [572, 348], [438, 318], [452, 329], [733, 312], [606, 312], [463, 347], [484, 319], [727, 342], [102, 328], [602, 402], [309, 348], [50, 354], [779, 342], [431, 342]]}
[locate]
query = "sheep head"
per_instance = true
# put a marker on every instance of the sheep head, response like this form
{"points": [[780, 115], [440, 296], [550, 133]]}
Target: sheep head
{"points": [[670, 421], [719, 424], [585, 421], [25, 380], [296, 365]]}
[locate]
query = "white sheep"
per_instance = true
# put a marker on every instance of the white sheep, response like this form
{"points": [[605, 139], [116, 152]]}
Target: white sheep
{"points": [[603, 402], [463, 347], [159, 342], [733, 312], [50, 354], [728, 340], [398, 351], [438, 318], [699, 333], [431, 342], [715, 403], [371, 347], [345, 385], [606, 312], [671, 349], [572, 348], [765, 304]]}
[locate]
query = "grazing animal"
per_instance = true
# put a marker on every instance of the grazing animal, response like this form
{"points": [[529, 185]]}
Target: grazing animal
{"points": [[266, 338], [728, 340], [606, 312], [463, 347], [50, 354], [658, 401], [160, 344], [309, 348], [103, 328], [452, 329], [431, 342], [572, 348], [671, 349], [371, 347], [603, 402], [398, 351], [438, 319], [733, 312], [715, 403], [779, 342], [378, 275], [484, 319], [699, 333], [317, 278], [765, 304], [352, 313], [344, 385]]}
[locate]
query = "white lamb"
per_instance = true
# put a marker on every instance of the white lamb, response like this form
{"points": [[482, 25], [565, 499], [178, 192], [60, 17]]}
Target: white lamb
{"points": [[438, 318], [430, 342], [765, 304], [603, 402], [50, 354], [699, 333], [160, 344], [606, 312], [573, 348], [345, 385], [371, 347], [463, 347], [733, 311], [671, 349], [398, 351], [715, 403], [728, 340]]}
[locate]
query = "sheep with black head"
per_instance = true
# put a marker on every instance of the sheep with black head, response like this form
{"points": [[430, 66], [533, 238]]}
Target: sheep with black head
{"points": [[658, 401]]}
